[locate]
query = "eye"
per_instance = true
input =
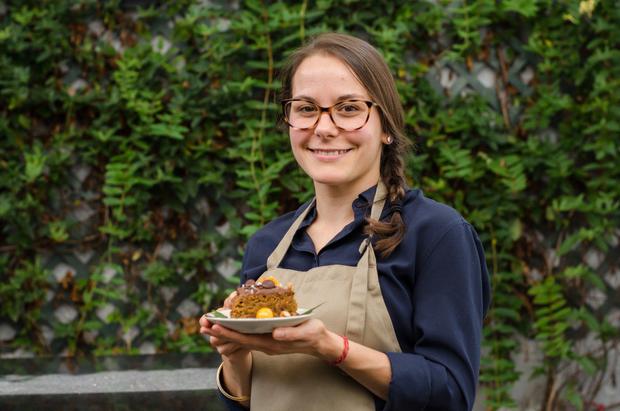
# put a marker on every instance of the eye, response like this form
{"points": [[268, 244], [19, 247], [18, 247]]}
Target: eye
{"points": [[306, 108], [350, 107]]}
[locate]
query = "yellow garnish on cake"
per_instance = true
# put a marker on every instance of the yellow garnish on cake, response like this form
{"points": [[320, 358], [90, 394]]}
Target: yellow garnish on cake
{"points": [[264, 312], [270, 277]]}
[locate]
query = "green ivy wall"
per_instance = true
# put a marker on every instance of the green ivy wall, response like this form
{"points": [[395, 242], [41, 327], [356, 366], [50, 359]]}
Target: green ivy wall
{"points": [[138, 151]]}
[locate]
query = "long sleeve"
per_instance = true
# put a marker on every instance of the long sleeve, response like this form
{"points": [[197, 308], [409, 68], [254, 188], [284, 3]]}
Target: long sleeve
{"points": [[450, 298], [230, 404]]}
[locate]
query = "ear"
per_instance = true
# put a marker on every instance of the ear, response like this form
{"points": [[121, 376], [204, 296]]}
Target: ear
{"points": [[383, 137]]}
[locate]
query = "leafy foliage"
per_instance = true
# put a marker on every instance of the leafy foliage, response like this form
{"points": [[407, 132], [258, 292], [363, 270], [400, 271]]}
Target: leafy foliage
{"points": [[171, 109]]}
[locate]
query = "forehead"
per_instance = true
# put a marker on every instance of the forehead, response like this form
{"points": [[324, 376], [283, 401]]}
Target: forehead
{"points": [[325, 78]]}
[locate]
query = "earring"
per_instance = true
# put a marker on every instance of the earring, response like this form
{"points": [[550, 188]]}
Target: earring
{"points": [[389, 140]]}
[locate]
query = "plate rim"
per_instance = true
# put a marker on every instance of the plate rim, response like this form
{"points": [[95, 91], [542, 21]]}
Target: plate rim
{"points": [[298, 316]]}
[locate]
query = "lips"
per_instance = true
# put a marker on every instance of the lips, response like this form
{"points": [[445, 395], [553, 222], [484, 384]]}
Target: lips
{"points": [[330, 152]]}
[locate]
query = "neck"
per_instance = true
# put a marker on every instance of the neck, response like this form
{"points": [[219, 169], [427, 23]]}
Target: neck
{"points": [[333, 203]]}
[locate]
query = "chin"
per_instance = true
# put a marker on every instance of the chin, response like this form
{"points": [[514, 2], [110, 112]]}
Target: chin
{"points": [[330, 180]]}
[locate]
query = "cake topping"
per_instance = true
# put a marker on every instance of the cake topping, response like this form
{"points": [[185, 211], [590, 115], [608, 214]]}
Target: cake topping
{"points": [[264, 312], [271, 278], [268, 285], [264, 298]]}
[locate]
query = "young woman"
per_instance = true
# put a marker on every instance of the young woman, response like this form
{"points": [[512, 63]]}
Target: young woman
{"points": [[403, 278]]}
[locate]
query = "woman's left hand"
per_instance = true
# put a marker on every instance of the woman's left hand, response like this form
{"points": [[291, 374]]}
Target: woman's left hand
{"points": [[310, 337]]}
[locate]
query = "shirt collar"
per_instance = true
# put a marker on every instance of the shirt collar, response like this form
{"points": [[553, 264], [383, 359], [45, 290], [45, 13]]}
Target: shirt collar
{"points": [[368, 195], [361, 208], [363, 200]]}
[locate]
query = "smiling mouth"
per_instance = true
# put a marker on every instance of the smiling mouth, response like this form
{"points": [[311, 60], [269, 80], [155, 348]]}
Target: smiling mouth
{"points": [[330, 152]]}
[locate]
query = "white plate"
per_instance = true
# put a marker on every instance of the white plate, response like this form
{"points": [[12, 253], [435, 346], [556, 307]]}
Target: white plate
{"points": [[258, 325]]}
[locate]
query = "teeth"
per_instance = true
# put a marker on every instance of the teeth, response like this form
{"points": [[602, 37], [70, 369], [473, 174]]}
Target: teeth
{"points": [[330, 152]]}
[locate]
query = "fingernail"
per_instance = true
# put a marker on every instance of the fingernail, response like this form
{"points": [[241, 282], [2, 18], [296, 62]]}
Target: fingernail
{"points": [[278, 334]]}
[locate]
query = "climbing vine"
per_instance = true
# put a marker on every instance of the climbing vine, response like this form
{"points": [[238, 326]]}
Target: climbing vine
{"points": [[139, 151]]}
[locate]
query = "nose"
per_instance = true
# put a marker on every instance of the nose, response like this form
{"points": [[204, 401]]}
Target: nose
{"points": [[325, 126]]}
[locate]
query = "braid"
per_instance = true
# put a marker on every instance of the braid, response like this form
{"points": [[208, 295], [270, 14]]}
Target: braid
{"points": [[391, 232]]}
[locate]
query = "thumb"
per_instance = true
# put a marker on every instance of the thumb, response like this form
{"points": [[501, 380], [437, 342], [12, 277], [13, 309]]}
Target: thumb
{"points": [[285, 333]]}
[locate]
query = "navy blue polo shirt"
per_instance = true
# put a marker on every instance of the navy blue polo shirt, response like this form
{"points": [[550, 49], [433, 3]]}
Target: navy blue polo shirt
{"points": [[436, 289]]}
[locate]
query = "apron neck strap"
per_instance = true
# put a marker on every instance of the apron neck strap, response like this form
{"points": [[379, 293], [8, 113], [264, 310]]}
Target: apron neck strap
{"points": [[277, 255], [375, 213], [379, 201]]}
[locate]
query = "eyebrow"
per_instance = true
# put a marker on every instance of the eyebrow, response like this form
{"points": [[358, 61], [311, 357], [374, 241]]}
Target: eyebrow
{"points": [[343, 97]]}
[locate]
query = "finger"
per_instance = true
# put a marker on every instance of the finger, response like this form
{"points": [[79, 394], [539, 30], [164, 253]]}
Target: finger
{"points": [[206, 327], [260, 342], [204, 321], [215, 341], [230, 347], [302, 331], [287, 334], [208, 331], [222, 332], [228, 334]]}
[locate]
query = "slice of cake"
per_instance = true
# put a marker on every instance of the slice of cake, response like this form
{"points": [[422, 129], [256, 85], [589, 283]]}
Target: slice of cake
{"points": [[264, 299]]}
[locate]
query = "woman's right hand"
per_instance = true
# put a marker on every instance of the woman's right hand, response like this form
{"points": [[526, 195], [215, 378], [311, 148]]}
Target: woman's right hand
{"points": [[237, 359], [230, 351]]}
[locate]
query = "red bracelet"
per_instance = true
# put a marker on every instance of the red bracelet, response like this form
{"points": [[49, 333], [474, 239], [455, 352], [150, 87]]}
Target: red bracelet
{"points": [[345, 351]]}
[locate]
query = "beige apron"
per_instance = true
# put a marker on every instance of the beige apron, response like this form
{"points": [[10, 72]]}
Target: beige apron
{"points": [[353, 306]]}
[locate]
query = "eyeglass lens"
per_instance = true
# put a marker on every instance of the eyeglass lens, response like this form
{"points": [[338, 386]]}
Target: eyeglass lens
{"points": [[347, 115]]}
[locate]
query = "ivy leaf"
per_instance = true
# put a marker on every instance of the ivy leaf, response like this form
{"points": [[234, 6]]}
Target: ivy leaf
{"points": [[35, 161], [175, 132], [527, 8], [58, 231], [5, 205]]}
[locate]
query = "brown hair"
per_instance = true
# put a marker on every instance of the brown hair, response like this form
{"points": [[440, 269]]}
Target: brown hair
{"points": [[371, 70]]}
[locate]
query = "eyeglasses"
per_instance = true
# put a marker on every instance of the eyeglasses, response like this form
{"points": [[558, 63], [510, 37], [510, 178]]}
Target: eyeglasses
{"points": [[348, 115]]}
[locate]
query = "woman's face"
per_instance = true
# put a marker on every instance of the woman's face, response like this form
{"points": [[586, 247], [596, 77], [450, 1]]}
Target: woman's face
{"points": [[349, 160]]}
